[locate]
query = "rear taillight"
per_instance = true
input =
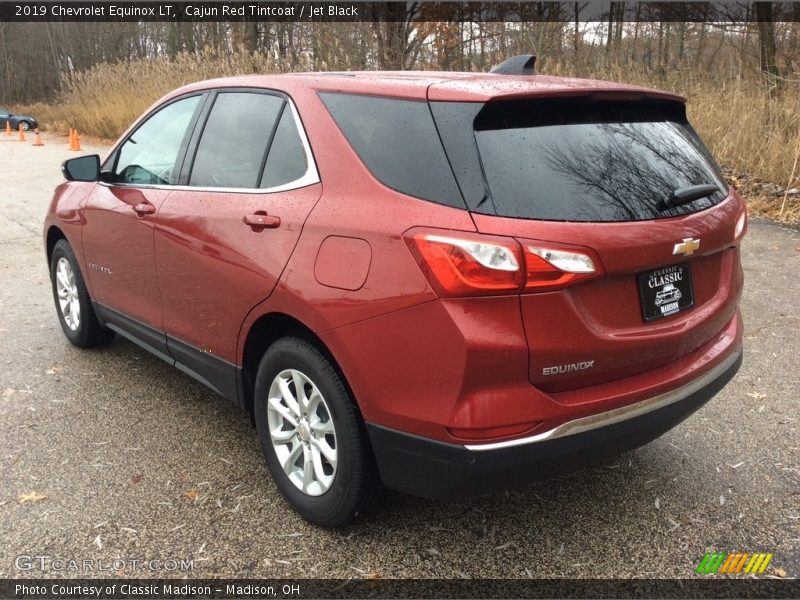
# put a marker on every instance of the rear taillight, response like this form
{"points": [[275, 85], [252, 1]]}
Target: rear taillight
{"points": [[741, 225], [470, 264], [467, 264], [549, 268]]}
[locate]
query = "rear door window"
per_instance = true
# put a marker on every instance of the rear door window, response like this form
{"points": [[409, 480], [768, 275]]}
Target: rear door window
{"points": [[232, 149], [591, 161], [398, 142]]}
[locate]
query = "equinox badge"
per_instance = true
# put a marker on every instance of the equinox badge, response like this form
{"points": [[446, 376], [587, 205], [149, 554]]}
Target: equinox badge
{"points": [[686, 247], [569, 368]]}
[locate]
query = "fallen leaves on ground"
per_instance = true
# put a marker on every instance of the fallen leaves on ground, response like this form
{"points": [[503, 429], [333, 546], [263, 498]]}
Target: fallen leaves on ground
{"points": [[504, 546], [31, 497], [11, 391], [780, 572], [757, 395], [192, 495]]}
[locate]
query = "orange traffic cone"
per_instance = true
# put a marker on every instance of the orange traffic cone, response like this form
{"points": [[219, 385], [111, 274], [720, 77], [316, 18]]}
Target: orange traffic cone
{"points": [[8, 128], [74, 140], [37, 140], [21, 133]]}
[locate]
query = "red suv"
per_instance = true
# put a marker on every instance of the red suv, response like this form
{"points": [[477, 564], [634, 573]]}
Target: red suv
{"points": [[444, 282]]}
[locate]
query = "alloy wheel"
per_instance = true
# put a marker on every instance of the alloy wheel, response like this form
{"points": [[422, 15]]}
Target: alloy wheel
{"points": [[302, 432], [67, 290]]}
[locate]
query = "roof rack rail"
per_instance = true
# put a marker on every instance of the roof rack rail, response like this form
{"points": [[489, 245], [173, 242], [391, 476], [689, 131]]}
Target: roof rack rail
{"points": [[516, 65]]}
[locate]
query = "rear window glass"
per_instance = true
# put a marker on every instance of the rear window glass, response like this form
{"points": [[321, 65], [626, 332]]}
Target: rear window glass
{"points": [[398, 142], [582, 161]]}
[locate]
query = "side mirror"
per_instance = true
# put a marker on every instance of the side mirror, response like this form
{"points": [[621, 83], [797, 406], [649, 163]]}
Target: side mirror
{"points": [[83, 168]]}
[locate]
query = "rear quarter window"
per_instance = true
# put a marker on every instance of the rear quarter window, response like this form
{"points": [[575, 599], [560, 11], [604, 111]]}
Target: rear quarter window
{"points": [[286, 161], [398, 142]]}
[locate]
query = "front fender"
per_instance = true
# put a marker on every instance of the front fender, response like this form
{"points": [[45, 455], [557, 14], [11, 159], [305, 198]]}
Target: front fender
{"points": [[66, 215]]}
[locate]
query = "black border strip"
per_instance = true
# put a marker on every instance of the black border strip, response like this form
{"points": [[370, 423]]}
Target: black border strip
{"points": [[360, 11], [705, 587]]}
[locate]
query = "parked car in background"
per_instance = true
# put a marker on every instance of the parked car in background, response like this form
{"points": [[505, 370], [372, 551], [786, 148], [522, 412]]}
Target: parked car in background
{"points": [[26, 122], [447, 283]]}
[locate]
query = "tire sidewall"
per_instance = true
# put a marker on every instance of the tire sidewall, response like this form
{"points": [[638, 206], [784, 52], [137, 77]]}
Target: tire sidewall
{"points": [[295, 353]]}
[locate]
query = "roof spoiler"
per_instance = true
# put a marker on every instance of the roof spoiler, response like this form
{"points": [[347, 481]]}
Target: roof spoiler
{"points": [[516, 65]]}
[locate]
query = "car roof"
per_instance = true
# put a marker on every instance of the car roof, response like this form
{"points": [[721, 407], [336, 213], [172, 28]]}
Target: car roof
{"points": [[437, 85]]}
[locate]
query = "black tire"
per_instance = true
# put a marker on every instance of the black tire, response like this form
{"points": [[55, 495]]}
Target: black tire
{"points": [[89, 332], [355, 482], [25, 125]]}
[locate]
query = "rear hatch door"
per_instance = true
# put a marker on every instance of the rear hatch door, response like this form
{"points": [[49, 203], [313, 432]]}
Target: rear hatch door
{"points": [[619, 181]]}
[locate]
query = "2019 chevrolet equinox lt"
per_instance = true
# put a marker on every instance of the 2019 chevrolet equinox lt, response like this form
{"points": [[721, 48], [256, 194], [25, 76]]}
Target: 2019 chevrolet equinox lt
{"points": [[445, 283]]}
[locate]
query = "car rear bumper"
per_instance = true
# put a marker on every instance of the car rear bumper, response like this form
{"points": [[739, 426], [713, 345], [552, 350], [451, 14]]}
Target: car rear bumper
{"points": [[434, 469]]}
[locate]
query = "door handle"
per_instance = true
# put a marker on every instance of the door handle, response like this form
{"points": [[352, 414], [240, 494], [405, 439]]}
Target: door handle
{"points": [[144, 208], [261, 220]]}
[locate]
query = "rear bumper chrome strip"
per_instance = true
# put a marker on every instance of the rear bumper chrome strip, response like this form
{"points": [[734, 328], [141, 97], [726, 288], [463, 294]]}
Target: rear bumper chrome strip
{"points": [[617, 415]]}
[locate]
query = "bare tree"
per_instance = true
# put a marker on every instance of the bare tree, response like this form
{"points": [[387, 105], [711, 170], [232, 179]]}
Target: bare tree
{"points": [[766, 38]]}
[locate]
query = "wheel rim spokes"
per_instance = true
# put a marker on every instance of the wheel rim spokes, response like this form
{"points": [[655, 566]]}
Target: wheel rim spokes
{"points": [[67, 292], [302, 432]]}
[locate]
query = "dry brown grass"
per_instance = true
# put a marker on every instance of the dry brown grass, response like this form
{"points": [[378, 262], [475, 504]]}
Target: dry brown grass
{"points": [[764, 206], [750, 127], [755, 131]]}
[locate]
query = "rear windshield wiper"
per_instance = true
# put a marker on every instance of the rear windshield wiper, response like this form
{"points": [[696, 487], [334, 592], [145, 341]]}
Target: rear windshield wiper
{"points": [[688, 194]]}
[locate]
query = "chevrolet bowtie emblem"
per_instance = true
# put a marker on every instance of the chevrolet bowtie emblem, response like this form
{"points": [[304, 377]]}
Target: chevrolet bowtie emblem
{"points": [[686, 247]]}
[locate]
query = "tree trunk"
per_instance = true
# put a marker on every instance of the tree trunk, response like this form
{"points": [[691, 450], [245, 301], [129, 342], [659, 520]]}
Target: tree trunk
{"points": [[577, 33], [251, 36], [766, 38]]}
